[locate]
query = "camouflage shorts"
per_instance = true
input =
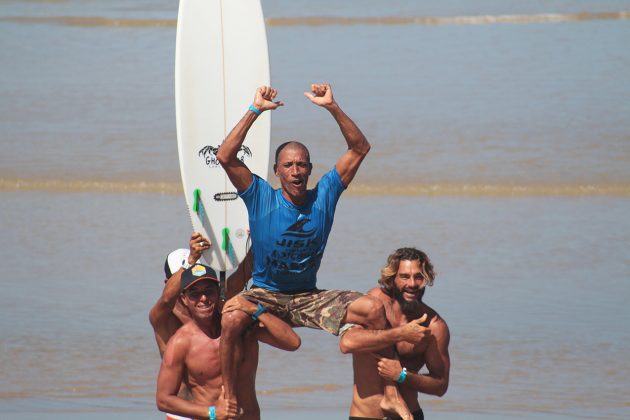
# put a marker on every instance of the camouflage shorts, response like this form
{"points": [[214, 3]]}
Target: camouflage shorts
{"points": [[321, 309]]}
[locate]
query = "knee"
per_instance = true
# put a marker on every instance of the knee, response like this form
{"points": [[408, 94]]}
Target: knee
{"points": [[234, 323]]}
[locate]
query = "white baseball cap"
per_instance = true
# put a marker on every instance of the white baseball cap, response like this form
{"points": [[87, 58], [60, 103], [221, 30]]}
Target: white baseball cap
{"points": [[175, 260]]}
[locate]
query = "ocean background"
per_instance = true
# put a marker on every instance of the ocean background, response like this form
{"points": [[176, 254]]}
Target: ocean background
{"points": [[500, 137]]}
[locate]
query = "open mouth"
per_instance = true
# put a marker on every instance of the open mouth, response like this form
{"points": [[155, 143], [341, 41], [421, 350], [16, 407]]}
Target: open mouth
{"points": [[410, 294]]}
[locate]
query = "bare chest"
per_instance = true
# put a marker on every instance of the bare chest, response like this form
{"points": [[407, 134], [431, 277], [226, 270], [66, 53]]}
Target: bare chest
{"points": [[411, 355], [203, 363]]}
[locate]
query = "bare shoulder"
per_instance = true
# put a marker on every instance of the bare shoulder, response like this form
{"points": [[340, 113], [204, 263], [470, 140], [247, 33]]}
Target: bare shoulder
{"points": [[177, 347], [183, 335], [438, 325], [378, 293]]}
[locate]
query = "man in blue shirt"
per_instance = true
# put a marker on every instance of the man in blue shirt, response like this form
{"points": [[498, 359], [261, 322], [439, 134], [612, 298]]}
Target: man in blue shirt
{"points": [[289, 229]]}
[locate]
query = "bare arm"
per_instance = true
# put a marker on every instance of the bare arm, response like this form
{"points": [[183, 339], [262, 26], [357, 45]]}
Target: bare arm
{"points": [[237, 171], [237, 280], [161, 316], [274, 331], [437, 361], [170, 379], [358, 146], [358, 339]]}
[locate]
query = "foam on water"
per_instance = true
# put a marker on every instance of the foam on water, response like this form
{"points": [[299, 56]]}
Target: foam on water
{"points": [[500, 146], [371, 189], [84, 21]]}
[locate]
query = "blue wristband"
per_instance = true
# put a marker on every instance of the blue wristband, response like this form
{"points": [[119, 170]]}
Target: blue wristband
{"points": [[212, 413], [259, 312], [255, 110], [402, 376]]}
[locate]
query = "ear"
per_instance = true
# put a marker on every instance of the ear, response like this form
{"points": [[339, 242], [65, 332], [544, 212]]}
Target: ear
{"points": [[275, 168], [310, 168]]}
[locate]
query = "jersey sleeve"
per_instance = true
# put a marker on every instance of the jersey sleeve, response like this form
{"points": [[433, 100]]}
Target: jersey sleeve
{"points": [[254, 196], [331, 185]]}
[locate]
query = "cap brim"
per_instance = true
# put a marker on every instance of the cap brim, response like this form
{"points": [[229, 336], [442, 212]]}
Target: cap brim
{"points": [[200, 279]]}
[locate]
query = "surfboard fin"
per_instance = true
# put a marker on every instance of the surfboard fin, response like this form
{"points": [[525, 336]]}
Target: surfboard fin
{"points": [[226, 245], [197, 199]]}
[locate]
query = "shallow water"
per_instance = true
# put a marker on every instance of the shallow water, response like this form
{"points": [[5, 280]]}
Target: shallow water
{"points": [[501, 149]]}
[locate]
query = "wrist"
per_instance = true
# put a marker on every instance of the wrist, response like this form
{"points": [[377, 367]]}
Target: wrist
{"points": [[402, 376], [333, 106], [399, 334], [255, 109], [260, 310]]}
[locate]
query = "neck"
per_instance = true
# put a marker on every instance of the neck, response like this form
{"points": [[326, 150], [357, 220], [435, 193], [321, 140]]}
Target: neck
{"points": [[295, 199], [210, 326]]}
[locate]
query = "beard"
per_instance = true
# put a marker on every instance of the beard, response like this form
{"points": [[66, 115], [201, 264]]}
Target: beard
{"points": [[411, 309]]}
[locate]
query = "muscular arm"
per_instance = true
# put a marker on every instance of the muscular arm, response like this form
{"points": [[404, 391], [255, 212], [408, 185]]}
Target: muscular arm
{"points": [[358, 339], [438, 363], [170, 380], [435, 357], [161, 316], [358, 146], [237, 171]]}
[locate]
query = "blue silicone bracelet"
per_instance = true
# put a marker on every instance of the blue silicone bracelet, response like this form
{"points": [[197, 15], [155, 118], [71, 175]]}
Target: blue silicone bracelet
{"points": [[212, 413], [259, 312], [255, 110], [402, 376]]}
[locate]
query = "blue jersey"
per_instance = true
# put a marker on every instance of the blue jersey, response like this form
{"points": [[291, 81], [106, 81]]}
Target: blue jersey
{"points": [[289, 241]]}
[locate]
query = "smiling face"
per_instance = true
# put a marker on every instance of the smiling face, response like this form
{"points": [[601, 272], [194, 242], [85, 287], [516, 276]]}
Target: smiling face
{"points": [[293, 167], [409, 285], [201, 299]]}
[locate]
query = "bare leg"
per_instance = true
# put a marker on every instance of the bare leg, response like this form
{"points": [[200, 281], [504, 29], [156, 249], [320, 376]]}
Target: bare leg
{"points": [[233, 325], [370, 313]]}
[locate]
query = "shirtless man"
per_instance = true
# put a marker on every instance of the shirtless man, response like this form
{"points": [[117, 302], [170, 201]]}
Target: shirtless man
{"points": [[289, 230], [169, 313], [402, 285], [192, 354]]}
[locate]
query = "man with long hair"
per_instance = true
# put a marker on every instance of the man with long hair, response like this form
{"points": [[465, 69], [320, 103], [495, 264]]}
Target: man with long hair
{"points": [[401, 288]]}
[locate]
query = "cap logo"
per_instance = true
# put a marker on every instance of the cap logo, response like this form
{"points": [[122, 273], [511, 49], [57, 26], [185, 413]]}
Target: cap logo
{"points": [[198, 270]]}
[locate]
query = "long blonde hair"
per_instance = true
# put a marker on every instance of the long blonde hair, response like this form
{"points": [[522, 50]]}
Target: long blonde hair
{"points": [[388, 273]]}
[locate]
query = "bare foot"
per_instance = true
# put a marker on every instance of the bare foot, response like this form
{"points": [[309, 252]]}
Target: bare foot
{"points": [[393, 403]]}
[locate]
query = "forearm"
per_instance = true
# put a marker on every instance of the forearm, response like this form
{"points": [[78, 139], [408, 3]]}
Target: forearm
{"points": [[361, 340], [164, 306], [234, 140], [427, 384], [175, 405], [354, 137]]}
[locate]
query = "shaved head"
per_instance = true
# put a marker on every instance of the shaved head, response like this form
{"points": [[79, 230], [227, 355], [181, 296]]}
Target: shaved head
{"points": [[291, 145]]}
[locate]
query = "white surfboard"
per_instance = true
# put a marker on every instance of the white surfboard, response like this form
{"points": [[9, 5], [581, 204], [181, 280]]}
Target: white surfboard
{"points": [[221, 58]]}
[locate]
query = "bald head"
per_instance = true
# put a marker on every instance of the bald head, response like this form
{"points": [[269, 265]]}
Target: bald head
{"points": [[291, 145]]}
